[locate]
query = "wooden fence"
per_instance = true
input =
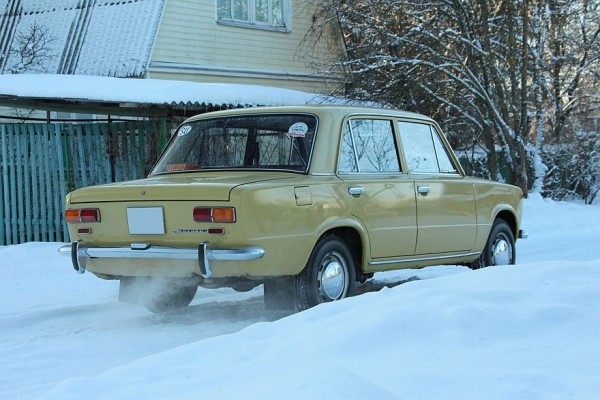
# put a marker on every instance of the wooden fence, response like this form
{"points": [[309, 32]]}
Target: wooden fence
{"points": [[41, 163]]}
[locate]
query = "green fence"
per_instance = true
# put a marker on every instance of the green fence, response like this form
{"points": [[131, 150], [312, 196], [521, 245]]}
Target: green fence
{"points": [[41, 163]]}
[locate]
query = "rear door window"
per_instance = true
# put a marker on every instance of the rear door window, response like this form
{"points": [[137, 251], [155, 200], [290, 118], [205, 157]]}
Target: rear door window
{"points": [[368, 146]]}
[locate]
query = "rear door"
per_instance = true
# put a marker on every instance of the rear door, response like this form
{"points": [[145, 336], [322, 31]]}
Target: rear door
{"points": [[446, 213], [379, 194]]}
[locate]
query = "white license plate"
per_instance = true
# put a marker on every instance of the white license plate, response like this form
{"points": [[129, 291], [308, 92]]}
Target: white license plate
{"points": [[146, 221]]}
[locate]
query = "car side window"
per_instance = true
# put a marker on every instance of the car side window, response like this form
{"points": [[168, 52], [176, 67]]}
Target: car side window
{"points": [[424, 150], [444, 160], [368, 146]]}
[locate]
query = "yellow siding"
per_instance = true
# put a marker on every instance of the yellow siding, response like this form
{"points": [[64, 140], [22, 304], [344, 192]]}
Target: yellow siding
{"points": [[303, 85], [189, 35]]}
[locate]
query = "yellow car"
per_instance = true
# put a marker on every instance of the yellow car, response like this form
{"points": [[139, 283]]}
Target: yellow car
{"points": [[307, 200]]}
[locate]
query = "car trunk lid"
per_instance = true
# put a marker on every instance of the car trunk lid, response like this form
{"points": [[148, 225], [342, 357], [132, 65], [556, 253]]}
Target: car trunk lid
{"points": [[211, 186]]}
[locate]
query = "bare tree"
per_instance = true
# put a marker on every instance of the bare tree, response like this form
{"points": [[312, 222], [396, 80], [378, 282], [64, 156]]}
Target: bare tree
{"points": [[31, 49], [497, 73], [566, 83], [573, 56]]}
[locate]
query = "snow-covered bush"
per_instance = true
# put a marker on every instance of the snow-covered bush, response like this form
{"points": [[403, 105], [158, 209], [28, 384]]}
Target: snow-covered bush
{"points": [[574, 168]]}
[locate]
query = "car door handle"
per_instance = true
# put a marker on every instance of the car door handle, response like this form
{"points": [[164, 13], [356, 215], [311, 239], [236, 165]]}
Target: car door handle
{"points": [[356, 190], [423, 190]]}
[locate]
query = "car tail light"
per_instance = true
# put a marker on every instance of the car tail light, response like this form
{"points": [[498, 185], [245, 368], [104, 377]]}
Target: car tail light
{"points": [[83, 215], [214, 214]]}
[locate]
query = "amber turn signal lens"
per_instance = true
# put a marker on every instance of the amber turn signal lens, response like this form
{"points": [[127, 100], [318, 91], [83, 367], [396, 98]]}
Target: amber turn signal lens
{"points": [[84, 215], [214, 214], [224, 215]]}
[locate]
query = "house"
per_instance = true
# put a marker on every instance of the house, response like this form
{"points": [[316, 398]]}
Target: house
{"points": [[260, 42], [115, 63], [238, 41]]}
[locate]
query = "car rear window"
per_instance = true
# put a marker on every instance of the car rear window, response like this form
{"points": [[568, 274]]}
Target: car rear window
{"points": [[261, 141]]}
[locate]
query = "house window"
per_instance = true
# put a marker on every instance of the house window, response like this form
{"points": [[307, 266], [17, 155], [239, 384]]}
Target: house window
{"points": [[72, 117], [262, 14]]}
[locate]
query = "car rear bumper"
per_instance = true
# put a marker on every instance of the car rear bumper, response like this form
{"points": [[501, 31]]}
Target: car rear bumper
{"points": [[204, 254]]}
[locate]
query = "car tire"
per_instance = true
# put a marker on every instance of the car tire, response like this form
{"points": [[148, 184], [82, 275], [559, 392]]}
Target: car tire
{"points": [[329, 275], [160, 294], [499, 248]]}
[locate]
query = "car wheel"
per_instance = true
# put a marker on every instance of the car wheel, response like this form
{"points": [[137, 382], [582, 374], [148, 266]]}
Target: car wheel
{"points": [[328, 276], [499, 249], [159, 294]]}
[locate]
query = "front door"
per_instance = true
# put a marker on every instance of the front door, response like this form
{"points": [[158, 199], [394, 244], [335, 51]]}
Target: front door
{"points": [[446, 210], [445, 201]]}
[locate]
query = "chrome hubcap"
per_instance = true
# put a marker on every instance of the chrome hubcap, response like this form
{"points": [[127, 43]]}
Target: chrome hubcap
{"points": [[501, 251], [332, 277]]}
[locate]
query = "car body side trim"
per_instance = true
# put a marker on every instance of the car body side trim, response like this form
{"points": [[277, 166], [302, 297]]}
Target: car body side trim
{"points": [[412, 260]]}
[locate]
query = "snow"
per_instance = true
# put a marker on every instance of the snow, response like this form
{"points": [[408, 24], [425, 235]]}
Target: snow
{"points": [[78, 31], [147, 91], [127, 49], [531, 331]]}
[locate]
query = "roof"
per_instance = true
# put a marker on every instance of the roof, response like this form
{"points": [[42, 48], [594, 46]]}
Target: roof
{"points": [[126, 96], [88, 37], [337, 108]]}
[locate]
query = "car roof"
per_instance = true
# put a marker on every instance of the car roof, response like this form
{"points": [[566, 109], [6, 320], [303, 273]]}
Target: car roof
{"points": [[321, 109]]}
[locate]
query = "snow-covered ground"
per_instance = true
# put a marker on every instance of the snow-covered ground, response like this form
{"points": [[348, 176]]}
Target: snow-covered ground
{"points": [[526, 332]]}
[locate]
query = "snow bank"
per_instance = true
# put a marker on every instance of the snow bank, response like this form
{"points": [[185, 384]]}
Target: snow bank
{"points": [[559, 230], [531, 331], [503, 333]]}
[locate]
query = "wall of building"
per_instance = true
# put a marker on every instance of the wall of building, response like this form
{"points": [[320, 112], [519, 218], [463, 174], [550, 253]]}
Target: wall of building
{"points": [[191, 45]]}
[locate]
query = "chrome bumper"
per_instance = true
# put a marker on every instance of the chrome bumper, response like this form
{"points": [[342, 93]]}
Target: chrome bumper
{"points": [[203, 254]]}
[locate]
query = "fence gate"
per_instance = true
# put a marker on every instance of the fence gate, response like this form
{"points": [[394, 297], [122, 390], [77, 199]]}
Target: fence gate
{"points": [[41, 163]]}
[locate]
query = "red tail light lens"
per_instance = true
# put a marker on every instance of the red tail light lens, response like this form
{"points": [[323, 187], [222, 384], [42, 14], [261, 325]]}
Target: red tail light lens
{"points": [[222, 215], [84, 215], [202, 214]]}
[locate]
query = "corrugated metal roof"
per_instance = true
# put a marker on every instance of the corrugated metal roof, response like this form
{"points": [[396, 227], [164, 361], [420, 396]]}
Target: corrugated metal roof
{"points": [[126, 96], [146, 91], [87, 37]]}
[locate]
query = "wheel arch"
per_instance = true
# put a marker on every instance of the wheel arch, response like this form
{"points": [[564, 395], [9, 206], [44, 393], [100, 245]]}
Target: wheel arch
{"points": [[354, 239], [510, 218]]}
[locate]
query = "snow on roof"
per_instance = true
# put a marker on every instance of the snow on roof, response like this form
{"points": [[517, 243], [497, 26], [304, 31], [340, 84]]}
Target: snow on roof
{"points": [[147, 91], [91, 37]]}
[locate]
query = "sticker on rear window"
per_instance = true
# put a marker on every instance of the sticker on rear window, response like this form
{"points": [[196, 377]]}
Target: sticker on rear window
{"points": [[184, 130], [299, 129]]}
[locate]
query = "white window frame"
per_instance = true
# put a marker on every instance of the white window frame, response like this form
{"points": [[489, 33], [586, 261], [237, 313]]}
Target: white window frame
{"points": [[73, 117], [251, 22]]}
